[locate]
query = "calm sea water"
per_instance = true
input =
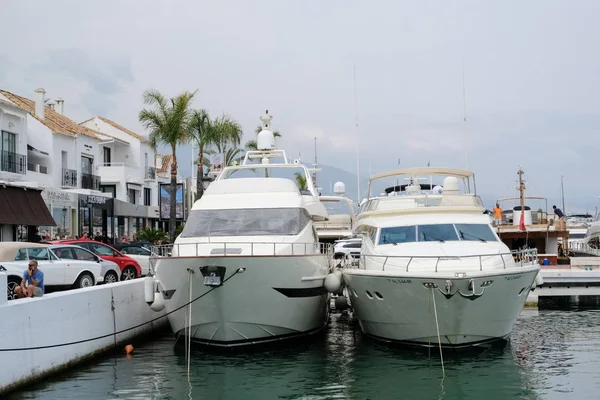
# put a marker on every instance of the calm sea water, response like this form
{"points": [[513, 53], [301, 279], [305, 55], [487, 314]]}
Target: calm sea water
{"points": [[553, 354]]}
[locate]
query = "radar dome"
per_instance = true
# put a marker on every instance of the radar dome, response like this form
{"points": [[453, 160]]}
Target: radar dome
{"points": [[437, 189], [451, 185], [339, 188], [265, 139]]}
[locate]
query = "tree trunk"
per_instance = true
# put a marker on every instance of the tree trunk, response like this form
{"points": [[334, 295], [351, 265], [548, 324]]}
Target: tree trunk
{"points": [[173, 199], [199, 185]]}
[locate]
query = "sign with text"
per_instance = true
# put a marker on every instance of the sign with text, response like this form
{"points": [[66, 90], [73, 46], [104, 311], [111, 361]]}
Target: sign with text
{"points": [[164, 201]]}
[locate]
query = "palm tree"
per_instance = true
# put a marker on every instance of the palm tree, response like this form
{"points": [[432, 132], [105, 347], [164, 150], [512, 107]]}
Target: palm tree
{"points": [[227, 132], [204, 135], [232, 155], [300, 181], [168, 121]]}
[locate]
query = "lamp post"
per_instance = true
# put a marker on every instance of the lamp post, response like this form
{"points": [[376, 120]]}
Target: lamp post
{"points": [[64, 221]]}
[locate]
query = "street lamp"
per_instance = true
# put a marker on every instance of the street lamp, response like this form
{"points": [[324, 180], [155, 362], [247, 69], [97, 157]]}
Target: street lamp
{"points": [[64, 221]]}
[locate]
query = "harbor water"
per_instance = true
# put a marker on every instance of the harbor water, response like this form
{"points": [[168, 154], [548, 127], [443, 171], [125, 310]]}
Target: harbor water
{"points": [[552, 354]]}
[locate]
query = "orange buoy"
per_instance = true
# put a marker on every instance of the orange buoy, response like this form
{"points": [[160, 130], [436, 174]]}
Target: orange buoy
{"points": [[128, 349]]}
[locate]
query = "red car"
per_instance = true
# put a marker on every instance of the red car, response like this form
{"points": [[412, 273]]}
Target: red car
{"points": [[130, 269]]}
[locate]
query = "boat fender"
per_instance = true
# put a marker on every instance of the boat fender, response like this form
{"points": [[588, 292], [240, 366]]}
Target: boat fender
{"points": [[341, 303], [149, 289], [159, 302], [539, 281], [333, 282]]}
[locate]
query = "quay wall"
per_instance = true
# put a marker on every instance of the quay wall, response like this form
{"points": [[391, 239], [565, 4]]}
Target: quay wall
{"points": [[41, 336]]}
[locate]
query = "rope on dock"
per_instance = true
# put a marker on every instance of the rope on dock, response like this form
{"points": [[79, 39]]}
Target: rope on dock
{"points": [[50, 346]]}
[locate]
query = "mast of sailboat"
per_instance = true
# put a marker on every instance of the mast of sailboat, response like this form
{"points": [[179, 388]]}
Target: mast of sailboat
{"points": [[521, 190], [315, 166], [562, 192], [465, 115], [357, 142]]}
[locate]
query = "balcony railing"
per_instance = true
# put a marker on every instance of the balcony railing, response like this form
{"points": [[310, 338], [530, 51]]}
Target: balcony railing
{"points": [[150, 173], [89, 181], [69, 178], [13, 162]]}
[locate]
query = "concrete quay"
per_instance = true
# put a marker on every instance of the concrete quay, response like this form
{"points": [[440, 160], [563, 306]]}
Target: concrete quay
{"points": [[42, 336]]}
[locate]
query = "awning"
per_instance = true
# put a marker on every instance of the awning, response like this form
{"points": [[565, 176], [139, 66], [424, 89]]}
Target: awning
{"points": [[20, 206], [34, 150]]}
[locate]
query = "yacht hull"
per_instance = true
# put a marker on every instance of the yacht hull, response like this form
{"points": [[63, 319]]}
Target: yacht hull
{"points": [[399, 307], [261, 299]]}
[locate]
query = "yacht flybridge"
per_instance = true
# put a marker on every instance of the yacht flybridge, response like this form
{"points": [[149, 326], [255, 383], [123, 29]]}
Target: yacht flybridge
{"points": [[432, 269], [341, 216], [248, 267]]}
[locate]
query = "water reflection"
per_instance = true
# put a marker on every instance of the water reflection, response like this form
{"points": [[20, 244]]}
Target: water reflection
{"points": [[551, 354]]}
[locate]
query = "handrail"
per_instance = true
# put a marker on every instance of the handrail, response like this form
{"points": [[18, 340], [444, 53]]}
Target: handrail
{"points": [[521, 258], [240, 249]]}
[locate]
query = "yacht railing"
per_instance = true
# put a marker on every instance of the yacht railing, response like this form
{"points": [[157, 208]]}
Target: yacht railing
{"points": [[518, 258], [240, 249], [584, 248]]}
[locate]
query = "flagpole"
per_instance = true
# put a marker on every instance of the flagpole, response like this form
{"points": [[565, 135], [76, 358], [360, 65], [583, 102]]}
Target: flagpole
{"points": [[465, 115], [357, 142]]}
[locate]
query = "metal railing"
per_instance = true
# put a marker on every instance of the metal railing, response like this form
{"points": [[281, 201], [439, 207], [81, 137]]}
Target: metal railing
{"points": [[89, 181], [150, 173], [241, 249], [516, 258], [37, 168], [13, 162], [333, 226], [584, 248], [68, 178]]}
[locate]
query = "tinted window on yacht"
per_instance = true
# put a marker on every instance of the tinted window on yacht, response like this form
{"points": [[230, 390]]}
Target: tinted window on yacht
{"points": [[481, 232], [246, 222], [437, 233], [398, 234]]}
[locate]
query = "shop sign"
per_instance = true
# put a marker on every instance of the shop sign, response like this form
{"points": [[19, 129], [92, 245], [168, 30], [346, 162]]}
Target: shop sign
{"points": [[52, 195], [97, 199]]}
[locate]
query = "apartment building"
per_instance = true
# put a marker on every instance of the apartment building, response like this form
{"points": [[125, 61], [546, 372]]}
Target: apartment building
{"points": [[95, 176]]}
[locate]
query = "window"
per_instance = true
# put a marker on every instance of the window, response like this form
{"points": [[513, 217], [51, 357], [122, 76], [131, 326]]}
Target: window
{"points": [[112, 189], [64, 253], [135, 250], [87, 165], [246, 222], [102, 250], [437, 233], [107, 156], [84, 255], [35, 253], [132, 195], [9, 142], [355, 245], [480, 232], [147, 196], [398, 234]]}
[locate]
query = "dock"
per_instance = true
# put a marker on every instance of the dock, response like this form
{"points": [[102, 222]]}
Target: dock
{"points": [[46, 335]]}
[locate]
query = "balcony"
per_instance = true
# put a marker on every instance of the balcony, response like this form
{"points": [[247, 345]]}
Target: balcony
{"points": [[117, 172], [13, 162], [150, 174], [68, 178], [89, 181]]}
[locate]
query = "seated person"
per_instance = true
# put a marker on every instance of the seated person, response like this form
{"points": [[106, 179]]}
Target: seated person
{"points": [[35, 282]]}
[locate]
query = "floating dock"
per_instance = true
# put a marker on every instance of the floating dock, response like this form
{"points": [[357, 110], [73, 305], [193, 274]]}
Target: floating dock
{"points": [[45, 335]]}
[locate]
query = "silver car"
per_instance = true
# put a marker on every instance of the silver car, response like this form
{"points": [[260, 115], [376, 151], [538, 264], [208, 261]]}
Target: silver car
{"points": [[110, 271]]}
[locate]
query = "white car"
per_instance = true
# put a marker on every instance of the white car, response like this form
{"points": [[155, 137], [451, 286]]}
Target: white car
{"points": [[139, 253], [15, 256], [347, 248], [110, 271]]}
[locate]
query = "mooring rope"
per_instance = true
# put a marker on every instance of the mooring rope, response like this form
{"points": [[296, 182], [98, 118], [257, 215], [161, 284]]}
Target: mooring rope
{"points": [[438, 333]]}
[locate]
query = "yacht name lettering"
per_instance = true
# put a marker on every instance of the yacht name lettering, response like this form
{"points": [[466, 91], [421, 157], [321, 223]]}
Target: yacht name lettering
{"points": [[399, 281], [513, 278]]}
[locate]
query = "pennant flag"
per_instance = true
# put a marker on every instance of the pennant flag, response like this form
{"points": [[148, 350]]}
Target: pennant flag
{"points": [[522, 221]]}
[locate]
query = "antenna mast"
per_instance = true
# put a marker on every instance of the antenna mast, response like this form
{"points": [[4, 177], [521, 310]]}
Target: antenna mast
{"points": [[521, 189], [357, 141]]}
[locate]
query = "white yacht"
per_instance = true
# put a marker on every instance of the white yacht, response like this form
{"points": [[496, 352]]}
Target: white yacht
{"points": [[248, 267], [432, 269], [340, 210]]}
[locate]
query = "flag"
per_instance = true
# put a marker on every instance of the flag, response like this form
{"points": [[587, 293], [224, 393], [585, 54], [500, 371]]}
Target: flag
{"points": [[522, 221]]}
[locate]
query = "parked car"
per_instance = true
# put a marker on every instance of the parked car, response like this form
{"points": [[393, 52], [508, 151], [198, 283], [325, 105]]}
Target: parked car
{"points": [[139, 251], [14, 257], [110, 271], [130, 269], [348, 248]]}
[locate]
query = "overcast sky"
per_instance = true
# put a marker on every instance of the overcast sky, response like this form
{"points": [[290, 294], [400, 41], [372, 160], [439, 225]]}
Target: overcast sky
{"points": [[531, 68]]}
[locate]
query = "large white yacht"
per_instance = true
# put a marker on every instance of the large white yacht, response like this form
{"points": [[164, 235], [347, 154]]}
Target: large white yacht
{"points": [[248, 259], [432, 269]]}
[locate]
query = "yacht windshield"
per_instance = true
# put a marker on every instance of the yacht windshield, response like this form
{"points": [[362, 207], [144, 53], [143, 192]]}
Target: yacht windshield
{"points": [[437, 233], [246, 222], [481, 232], [336, 207]]}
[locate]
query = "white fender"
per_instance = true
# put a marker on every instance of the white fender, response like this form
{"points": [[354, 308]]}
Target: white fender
{"points": [[159, 302], [149, 289], [333, 282]]}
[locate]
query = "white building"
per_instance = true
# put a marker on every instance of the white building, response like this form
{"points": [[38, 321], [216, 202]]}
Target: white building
{"points": [[94, 178]]}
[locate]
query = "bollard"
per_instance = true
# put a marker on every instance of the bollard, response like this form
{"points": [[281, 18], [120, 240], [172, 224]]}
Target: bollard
{"points": [[3, 289]]}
